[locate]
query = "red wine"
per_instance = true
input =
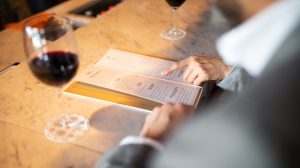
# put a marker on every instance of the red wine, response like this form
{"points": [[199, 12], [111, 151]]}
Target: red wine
{"points": [[175, 3], [55, 67]]}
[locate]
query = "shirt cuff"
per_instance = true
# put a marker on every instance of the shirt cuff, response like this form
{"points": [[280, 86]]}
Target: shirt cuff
{"points": [[142, 140], [228, 80]]}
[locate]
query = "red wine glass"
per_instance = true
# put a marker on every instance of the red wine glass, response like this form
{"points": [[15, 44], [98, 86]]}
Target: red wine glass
{"points": [[52, 57], [174, 33]]}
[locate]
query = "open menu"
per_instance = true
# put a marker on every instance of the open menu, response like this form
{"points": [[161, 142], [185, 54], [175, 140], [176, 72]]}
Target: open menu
{"points": [[137, 77]]}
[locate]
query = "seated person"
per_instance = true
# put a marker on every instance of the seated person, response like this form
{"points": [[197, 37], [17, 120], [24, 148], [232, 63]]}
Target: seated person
{"points": [[257, 128]]}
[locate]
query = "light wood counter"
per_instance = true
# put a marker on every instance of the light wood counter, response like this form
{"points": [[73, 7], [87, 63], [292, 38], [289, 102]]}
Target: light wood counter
{"points": [[11, 47], [27, 104]]}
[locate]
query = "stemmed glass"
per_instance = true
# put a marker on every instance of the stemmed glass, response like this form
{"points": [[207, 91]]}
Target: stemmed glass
{"points": [[174, 33], [52, 57]]}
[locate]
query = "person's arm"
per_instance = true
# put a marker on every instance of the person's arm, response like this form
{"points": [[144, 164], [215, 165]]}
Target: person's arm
{"points": [[199, 69]]}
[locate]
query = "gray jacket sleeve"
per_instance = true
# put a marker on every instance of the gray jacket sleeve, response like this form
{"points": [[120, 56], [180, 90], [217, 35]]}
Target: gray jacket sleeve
{"points": [[236, 81], [127, 156]]}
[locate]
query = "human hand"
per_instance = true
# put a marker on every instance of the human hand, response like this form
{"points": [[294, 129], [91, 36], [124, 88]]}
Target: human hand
{"points": [[163, 119], [200, 69]]}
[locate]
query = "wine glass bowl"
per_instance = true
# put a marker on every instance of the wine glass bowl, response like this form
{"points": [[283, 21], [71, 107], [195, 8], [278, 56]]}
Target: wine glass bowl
{"points": [[52, 57], [174, 33], [55, 67]]}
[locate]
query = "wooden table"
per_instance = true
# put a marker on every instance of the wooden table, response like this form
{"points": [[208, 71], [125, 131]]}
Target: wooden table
{"points": [[27, 104]]}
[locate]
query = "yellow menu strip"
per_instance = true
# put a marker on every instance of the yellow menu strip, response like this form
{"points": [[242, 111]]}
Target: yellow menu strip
{"points": [[101, 93]]}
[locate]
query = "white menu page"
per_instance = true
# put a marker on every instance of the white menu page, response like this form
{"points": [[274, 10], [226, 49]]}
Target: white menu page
{"points": [[140, 76]]}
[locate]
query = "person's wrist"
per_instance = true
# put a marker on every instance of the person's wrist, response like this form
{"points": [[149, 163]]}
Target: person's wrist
{"points": [[159, 138], [142, 140], [227, 70]]}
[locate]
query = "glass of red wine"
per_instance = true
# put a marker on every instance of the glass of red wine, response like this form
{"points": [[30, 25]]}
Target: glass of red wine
{"points": [[52, 57], [174, 33]]}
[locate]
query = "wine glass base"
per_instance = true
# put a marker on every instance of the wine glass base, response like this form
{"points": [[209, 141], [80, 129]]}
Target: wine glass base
{"points": [[173, 34], [66, 128]]}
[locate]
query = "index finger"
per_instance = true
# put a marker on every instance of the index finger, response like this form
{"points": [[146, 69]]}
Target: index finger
{"points": [[177, 65]]}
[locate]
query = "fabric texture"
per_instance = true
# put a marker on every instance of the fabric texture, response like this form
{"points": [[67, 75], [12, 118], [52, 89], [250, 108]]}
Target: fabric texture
{"points": [[127, 156], [252, 44]]}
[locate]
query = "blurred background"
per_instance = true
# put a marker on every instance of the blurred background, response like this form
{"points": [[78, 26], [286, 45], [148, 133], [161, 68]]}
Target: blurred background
{"points": [[16, 10]]}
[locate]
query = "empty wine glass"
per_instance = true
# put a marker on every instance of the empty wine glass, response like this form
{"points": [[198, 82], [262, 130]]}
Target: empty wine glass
{"points": [[52, 57]]}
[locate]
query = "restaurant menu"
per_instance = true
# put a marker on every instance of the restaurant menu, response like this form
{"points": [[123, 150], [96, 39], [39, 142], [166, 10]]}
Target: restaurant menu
{"points": [[141, 76]]}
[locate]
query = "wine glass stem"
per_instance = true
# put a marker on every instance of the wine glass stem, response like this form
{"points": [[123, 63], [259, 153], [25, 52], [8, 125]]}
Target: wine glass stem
{"points": [[61, 106], [65, 121], [174, 18]]}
